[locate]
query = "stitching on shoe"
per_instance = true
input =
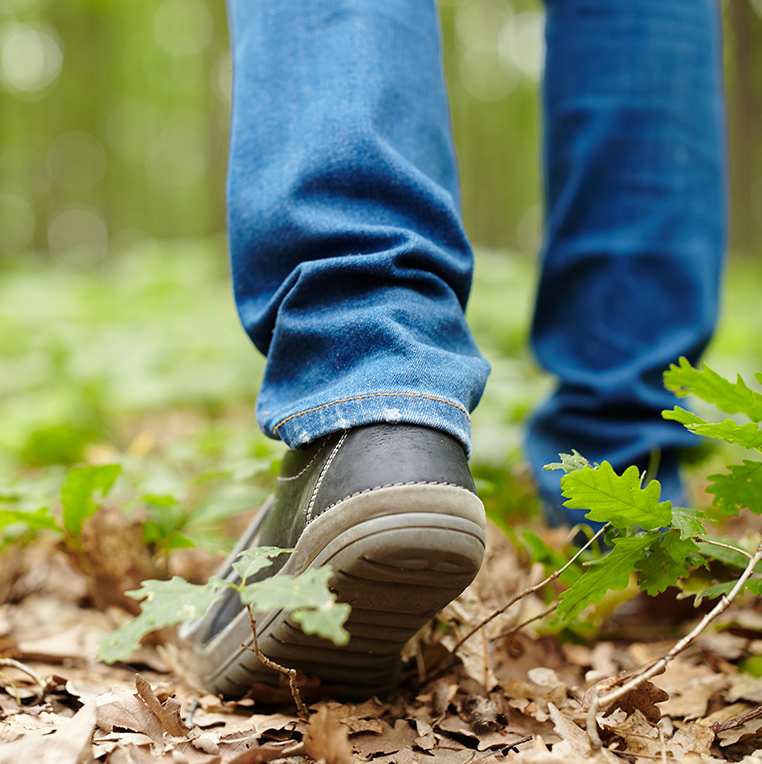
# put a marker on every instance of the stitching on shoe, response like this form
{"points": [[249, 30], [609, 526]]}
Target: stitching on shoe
{"points": [[395, 485], [301, 472], [372, 395], [323, 472]]}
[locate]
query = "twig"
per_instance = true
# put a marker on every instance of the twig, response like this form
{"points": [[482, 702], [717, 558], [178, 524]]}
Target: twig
{"points": [[192, 708], [736, 721], [658, 666], [12, 685], [724, 546], [592, 724], [520, 626], [24, 668], [527, 592], [290, 673]]}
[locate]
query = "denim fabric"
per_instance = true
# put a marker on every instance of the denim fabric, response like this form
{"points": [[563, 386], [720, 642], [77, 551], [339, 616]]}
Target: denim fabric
{"points": [[350, 265], [351, 268], [635, 213]]}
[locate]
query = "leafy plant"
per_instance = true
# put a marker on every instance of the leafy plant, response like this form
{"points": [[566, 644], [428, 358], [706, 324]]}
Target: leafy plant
{"points": [[167, 603], [662, 545], [81, 496]]}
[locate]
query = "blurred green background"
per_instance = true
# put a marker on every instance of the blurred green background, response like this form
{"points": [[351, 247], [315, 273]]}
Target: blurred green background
{"points": [[118, 335], [114, 121]]}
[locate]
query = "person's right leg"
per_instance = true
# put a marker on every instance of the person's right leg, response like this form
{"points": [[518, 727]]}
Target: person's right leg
{"points": [[635, 186], [351, 272]]}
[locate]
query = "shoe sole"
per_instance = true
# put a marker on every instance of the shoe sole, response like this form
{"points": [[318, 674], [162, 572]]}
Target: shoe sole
{"points": [[408, 552]]}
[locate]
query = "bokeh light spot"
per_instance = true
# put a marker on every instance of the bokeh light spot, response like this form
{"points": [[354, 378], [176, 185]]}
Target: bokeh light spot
{"points": [[522, 43], [78, 237], [222, 77], [30, 57]]}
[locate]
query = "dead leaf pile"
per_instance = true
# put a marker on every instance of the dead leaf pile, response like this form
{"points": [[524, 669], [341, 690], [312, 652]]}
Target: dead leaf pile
{"points": [[507, 695]]}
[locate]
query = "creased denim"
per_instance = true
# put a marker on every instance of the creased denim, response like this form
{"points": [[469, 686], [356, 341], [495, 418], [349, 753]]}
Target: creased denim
{"points": [[350, 265], [351, 268], [634, 232]]}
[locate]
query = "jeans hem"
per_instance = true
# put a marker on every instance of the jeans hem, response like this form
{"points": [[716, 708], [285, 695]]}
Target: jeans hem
{"points": [[303, 427]]}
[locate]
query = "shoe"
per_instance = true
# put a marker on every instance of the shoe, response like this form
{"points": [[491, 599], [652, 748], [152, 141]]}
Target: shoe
{"points": [[393, 510]]}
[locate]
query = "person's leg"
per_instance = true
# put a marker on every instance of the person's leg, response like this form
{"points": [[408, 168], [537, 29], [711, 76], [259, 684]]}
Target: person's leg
{"points": [[350, 265], [351, 272], [634, 233]]}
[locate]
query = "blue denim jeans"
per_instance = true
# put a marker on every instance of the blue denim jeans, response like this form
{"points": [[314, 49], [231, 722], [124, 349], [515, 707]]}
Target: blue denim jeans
{"points": [[351, 268]]}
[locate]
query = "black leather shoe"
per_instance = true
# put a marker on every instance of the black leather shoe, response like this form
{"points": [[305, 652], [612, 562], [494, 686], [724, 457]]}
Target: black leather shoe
{"points": [[394, 511]]}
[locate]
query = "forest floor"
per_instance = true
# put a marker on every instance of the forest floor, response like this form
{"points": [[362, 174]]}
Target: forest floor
{"points": [[141, 363]]}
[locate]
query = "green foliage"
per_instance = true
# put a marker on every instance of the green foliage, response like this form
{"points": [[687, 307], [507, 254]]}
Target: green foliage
{"points": [[80, 495], [738, 488], [616, 499], [251, 561], [660, 545], [730, 397], [77, 501], [167, 603]]}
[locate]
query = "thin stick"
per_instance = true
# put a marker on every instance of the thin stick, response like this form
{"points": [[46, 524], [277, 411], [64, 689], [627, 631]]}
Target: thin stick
{"points": [[606, 700], [290, 673], [724, 546], [592, 724], [22, 667], [736, 721], [520, 626], [527, 592]]}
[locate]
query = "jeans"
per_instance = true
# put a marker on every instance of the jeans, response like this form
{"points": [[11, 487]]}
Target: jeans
{"points": [[350, 264]]}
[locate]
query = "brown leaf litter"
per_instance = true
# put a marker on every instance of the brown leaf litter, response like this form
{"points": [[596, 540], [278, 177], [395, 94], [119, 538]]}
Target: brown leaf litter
{"points": [[520, 697]]}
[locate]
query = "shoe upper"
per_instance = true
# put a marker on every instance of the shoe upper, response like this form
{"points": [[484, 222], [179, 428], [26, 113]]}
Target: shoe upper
{"points": [[315, 478]]}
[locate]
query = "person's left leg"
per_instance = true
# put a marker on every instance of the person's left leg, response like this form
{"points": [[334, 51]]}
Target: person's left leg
{"points": [[634, 234]]}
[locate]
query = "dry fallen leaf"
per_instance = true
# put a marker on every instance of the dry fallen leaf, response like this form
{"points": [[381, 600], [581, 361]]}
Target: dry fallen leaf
{"points": [[569, 731], [168, 713], [63, 746], [643, 698], [123, 709], [327, 739]]}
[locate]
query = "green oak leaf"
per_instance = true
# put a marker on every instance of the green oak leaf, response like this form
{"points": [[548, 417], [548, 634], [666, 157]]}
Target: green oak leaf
{"points": [[747, 435], [251, 561], [78, 490], [569, 462], [753, 585], [165, 603], [668, 560], [739, 488], [308, 595], [612, 572], [327, 622], [690, 522], [617, 499], [731, 397], [309, 589]]}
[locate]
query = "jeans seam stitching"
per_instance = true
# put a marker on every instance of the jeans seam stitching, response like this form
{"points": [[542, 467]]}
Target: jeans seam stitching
{"points": [[371, 395]]}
